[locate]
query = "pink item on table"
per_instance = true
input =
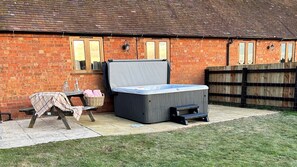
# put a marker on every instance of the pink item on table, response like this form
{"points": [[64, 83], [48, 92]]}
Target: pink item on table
{"points": [[88, 93], [97, 93]]}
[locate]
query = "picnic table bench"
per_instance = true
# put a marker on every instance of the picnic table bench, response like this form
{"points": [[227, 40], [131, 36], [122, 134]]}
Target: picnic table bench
{"points": [[28, 111], [61, 114], [5, 113]]}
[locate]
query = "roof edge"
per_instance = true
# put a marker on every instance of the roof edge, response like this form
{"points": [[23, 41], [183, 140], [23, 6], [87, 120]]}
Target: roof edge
{"points": [[142, 35]]}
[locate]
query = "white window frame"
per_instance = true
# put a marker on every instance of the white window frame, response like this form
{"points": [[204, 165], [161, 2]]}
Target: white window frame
{"points": [[247, 56], [87, 53], [157, 50], [284, 57]]}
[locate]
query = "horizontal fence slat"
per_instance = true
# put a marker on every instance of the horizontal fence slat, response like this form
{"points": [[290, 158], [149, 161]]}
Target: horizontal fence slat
{"points": [[252, 71], [225, 83], [224, 94], [252, 105], [253, 84], [225, 71], [272, 84], [253, 97], [271, 70], [270, 98]]}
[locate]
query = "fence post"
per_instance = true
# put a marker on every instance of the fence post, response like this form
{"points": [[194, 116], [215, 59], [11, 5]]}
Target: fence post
{"points": [[206, 77], [243, 87], [206, 80], [295, 92]]}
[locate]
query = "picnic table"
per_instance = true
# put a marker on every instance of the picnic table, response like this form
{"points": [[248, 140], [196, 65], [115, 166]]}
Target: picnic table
{"points": [[61, 102]]}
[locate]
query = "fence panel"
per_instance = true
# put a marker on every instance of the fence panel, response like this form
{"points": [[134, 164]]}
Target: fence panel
{"points": [[264, 85]]}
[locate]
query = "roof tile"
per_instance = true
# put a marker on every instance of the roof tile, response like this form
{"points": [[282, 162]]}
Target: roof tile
{"points": [[217, 18]]}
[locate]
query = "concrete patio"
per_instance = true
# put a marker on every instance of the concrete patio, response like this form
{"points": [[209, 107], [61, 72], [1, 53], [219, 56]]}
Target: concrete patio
{"points": [[49, 129]]}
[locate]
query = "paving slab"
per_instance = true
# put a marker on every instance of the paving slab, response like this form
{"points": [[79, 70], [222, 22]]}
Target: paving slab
{"points": [[48, 129], [107, 124]]}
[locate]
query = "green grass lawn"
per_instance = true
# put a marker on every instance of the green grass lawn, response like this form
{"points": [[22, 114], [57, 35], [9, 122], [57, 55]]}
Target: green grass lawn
{"points": [[256, 141]]}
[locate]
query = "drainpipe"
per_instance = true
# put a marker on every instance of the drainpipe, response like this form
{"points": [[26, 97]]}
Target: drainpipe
{"points": [[230, 41], [137, 48]]}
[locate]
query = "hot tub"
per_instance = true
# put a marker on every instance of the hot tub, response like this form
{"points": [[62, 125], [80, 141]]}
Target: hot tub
{"points": [[142, 93], [150, 104]]}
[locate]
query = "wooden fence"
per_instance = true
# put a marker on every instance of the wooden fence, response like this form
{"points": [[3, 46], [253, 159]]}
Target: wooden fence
{"points": [[263, 85]]}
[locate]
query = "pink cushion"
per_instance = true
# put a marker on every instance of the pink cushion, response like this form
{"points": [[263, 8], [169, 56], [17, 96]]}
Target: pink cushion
{"points": [[88, 93], [97, 93]]}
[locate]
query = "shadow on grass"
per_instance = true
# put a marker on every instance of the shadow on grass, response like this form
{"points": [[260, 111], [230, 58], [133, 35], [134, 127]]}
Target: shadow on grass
{"points": [[254, 141]]}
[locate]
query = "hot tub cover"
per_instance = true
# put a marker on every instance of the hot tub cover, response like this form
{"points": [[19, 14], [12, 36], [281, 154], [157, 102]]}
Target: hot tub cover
{"points": [[125, 73]]}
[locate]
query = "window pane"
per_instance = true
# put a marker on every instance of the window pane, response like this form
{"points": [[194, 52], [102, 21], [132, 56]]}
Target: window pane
{"points": [[95, 55], [79, 55], [290, 52], [241, 53], [162, 50], [250, 53], [150, 50], [283, 52]]}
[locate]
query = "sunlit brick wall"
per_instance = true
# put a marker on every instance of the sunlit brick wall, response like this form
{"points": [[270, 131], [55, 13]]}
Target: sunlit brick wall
{"points": [[113, 48], [35, 63], [190, 57], [267, 56]]}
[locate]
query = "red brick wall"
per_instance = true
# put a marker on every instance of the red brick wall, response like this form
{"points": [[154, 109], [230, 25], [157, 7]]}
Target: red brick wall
{"points": [[189, 58], [267, 56], [34, 63], [24, 63], [113, 48]]}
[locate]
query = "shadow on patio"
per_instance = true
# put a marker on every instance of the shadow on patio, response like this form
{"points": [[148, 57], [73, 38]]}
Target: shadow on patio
{"points": [[49, 129]]}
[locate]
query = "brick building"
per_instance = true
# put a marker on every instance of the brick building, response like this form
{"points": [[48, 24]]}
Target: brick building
{"points": [[44, 43]]}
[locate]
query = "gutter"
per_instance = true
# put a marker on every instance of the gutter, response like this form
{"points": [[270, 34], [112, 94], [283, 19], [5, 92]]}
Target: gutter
{"points": [[64, 33]]}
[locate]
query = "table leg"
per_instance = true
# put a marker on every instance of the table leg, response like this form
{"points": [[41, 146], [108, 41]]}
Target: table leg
{"points": [[33, 119], [83, 100], [62, 116], [69, 99], [53, 109], [91, 116]]}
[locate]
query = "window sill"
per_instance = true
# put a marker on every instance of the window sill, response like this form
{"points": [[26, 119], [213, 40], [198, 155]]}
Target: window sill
{"points": [[86, 73]]}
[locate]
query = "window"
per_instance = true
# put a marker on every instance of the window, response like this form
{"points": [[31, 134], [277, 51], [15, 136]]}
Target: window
{"points": [[157, 49], [246, 53], [287, 52], [87, 54]]}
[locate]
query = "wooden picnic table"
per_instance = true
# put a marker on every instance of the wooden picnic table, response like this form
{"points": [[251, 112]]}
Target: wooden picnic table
{"points": [[76, 94], [61, 115]]}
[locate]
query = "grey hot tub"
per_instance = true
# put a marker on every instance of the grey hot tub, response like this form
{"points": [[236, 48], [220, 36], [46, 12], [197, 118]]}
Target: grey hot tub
{"points": [[142, 93]]}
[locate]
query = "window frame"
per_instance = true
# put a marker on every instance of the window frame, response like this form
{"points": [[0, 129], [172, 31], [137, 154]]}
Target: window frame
{"points": [[287, 51], [86, 41], [246, 52], [157, 52]]}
